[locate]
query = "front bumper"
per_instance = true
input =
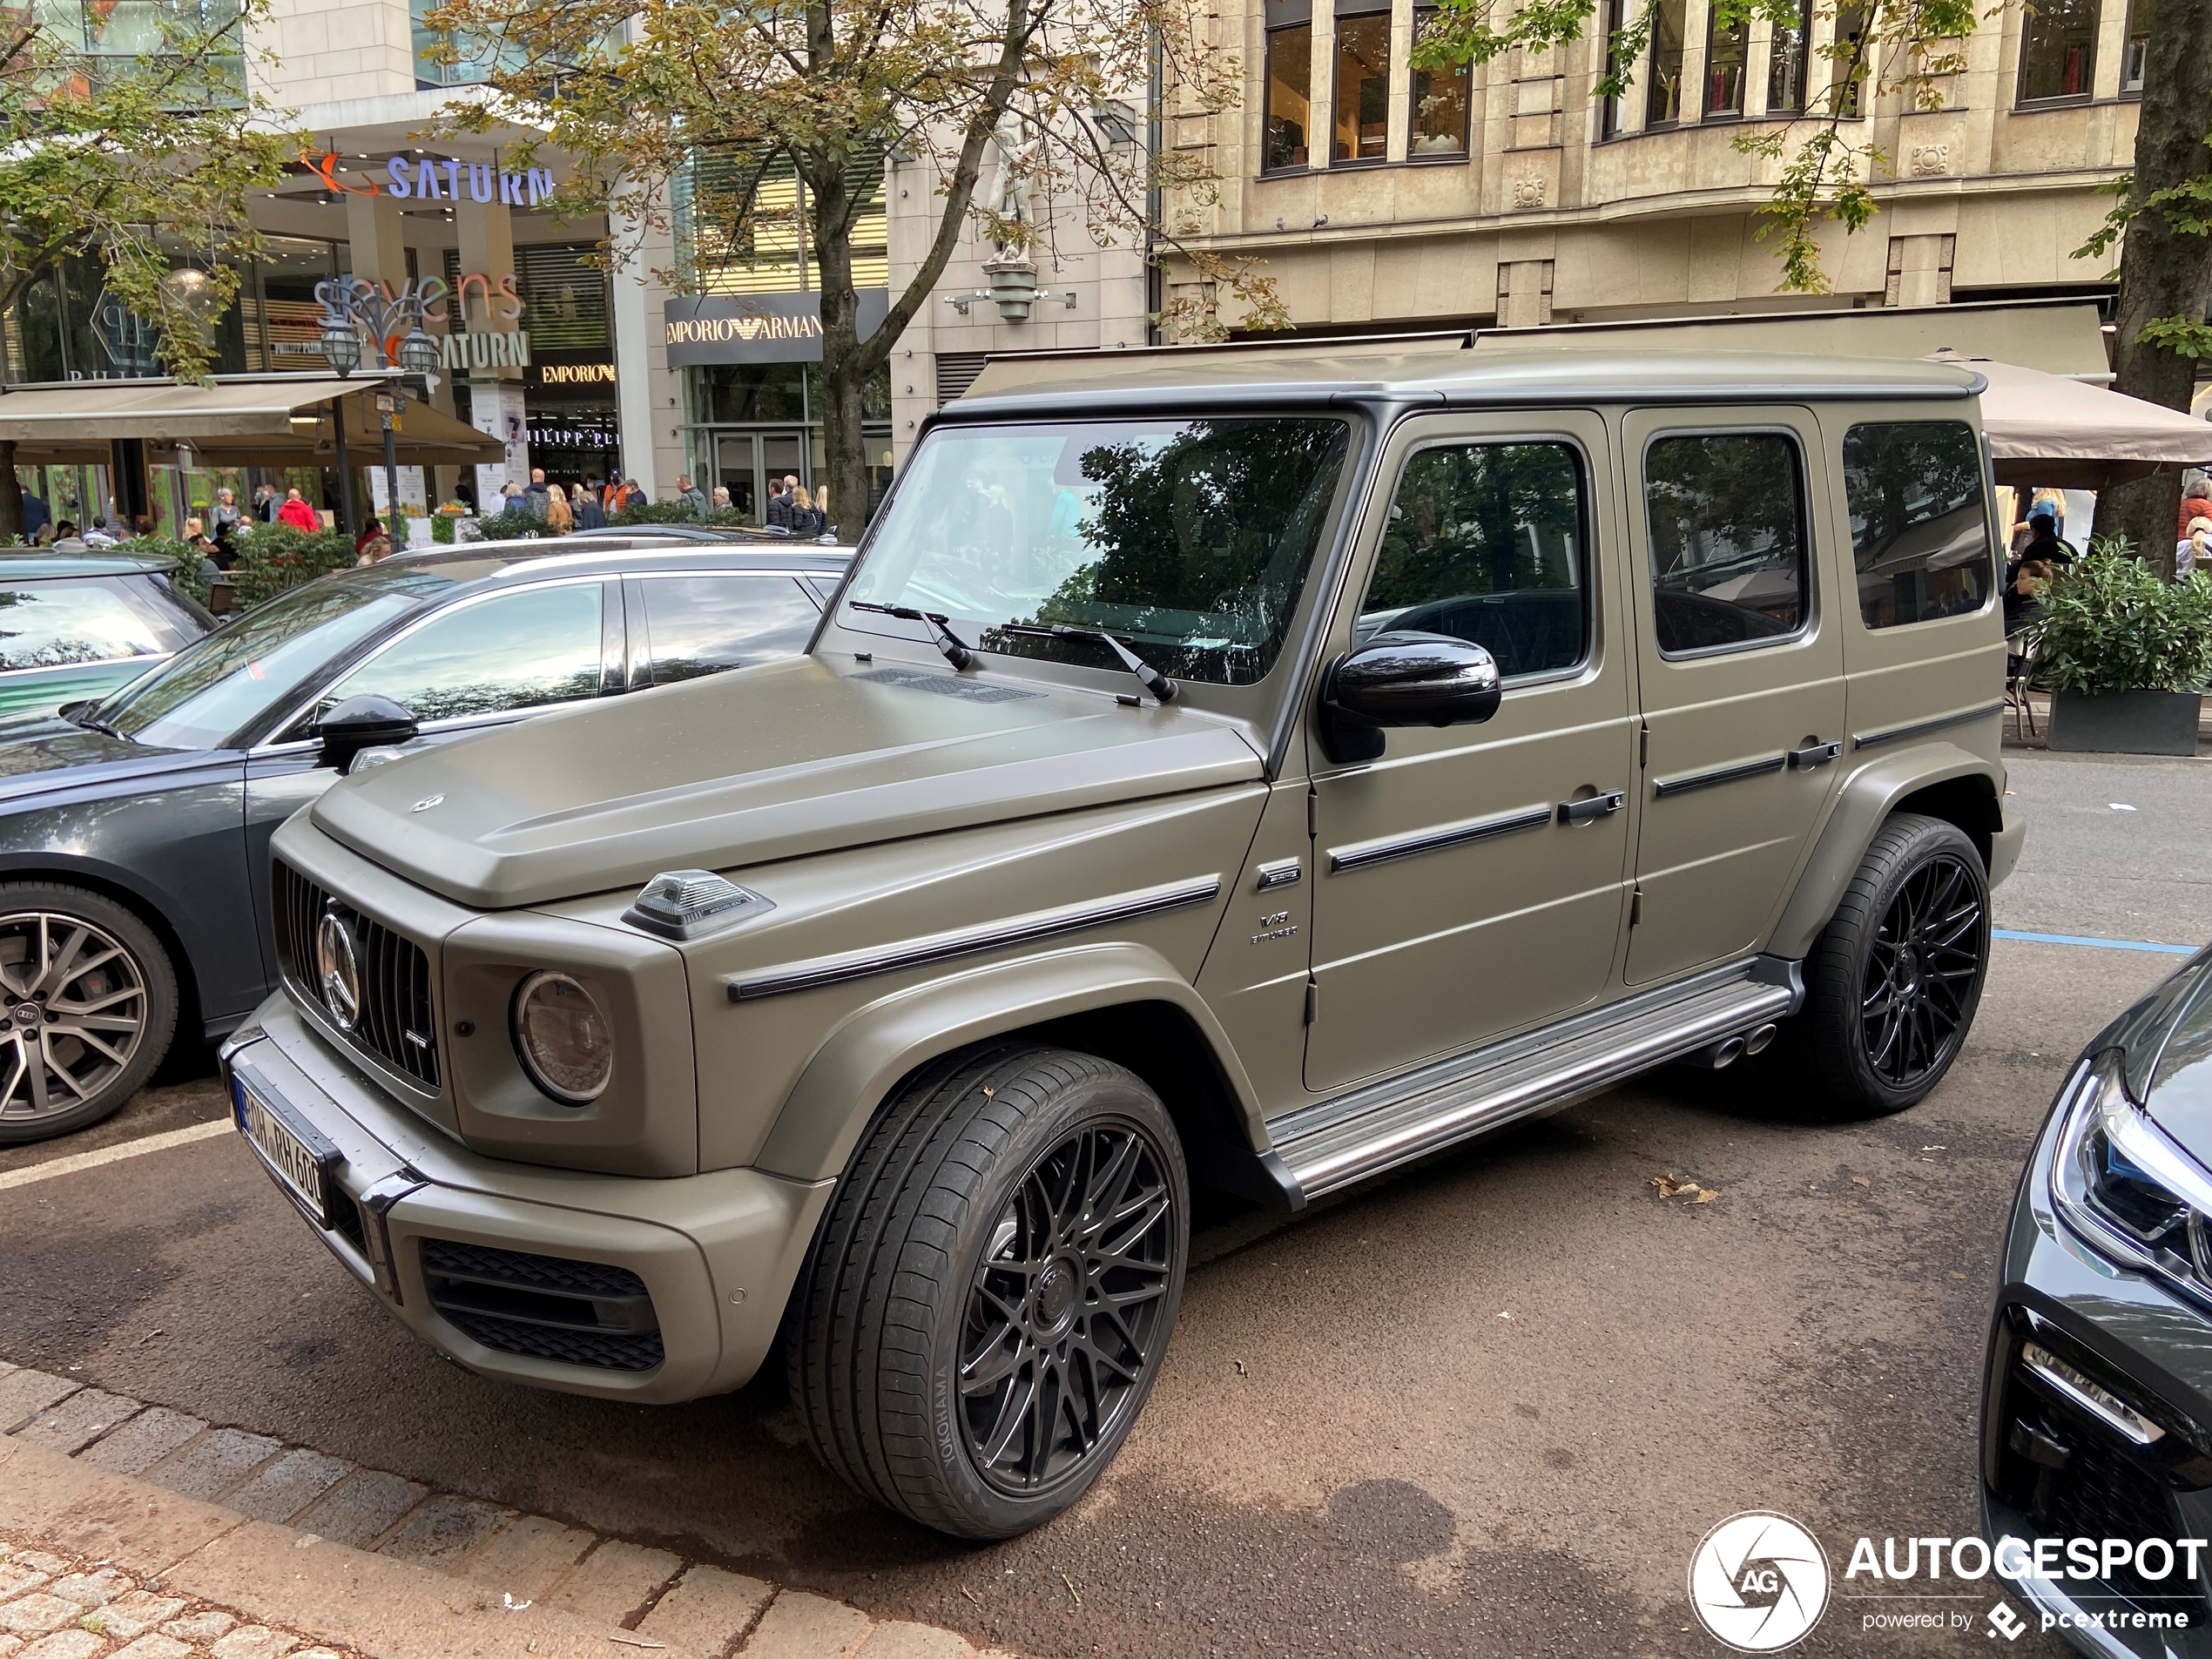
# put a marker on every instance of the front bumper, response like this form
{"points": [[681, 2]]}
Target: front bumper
{"points": [[689, 1274], [2051, 1468]]}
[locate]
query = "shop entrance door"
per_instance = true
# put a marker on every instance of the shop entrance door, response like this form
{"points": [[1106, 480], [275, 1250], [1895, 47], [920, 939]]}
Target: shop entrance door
{"points": [[750, 464]]}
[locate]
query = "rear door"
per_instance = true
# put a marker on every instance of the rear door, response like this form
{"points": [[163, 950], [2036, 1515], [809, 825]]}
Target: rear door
{"points": [[1454, 898], [1741, 672]]}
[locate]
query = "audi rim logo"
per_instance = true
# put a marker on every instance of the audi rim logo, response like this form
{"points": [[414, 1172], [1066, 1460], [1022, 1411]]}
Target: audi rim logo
{"points": [[337, 971]]}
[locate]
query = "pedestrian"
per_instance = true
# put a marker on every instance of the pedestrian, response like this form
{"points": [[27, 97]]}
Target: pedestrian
{"points": [[558, 516], [805, 520], [265, 503], [99, 535], [535, 497], [590, 515], [67, 540], [36, 516], [633, 493], [296, 513], [2023, 594], [2043, 540], [2196, 500], [370, 531], [720, 501], [373, 546], [822, 508], [690, 495], [2194, 551], [223, 516], [510, 497]]}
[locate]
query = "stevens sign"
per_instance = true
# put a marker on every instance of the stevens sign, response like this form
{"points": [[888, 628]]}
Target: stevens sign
{"points": [[756, 327]]}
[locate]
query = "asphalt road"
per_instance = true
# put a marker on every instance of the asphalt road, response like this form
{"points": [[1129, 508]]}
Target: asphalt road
{"points": [[1488, 1407]]}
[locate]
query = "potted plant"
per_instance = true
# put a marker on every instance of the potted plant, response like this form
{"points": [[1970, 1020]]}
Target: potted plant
{"points": [[2126, 655]]}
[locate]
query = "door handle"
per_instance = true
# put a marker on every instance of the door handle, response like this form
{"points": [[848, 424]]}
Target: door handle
{"points": [[1597, 806], [1818, 754]]}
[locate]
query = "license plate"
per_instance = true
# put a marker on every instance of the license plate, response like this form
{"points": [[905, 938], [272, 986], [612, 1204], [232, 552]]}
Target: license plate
{"points": [[304, 1172]]}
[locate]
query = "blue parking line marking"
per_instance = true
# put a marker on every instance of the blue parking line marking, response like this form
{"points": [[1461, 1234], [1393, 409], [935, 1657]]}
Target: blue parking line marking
{"points": [[2082, 939]]}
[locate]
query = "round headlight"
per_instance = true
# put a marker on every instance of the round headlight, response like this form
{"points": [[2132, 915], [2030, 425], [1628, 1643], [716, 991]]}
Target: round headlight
{"points": [[564, 1039]]}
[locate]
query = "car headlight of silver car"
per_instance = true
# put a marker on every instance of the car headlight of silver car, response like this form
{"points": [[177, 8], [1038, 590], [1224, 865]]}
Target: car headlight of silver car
{"points": [[564, 1038], [2127, 1188]]}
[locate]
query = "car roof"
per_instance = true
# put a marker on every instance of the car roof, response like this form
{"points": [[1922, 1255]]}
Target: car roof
{"points": [[26, 566], [1344, 370], [497, 562]]}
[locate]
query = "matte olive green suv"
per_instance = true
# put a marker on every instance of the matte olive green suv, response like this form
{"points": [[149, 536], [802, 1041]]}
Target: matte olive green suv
{"points": [[1251, 769]]}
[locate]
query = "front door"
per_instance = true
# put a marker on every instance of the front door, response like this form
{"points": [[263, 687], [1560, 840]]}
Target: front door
{"points": [[737, 468], [1472, 882], [1740, 666]]}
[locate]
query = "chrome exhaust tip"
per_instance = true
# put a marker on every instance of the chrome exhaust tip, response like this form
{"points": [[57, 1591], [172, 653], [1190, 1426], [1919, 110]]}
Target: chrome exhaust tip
{"points": [[1759, 1040], [1723, 1053]]}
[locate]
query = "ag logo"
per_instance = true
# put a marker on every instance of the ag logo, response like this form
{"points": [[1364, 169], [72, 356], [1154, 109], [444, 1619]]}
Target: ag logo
{"points": [[1758, 1581]]}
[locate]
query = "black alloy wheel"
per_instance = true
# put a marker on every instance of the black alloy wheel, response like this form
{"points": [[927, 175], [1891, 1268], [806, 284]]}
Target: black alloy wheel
{"points": [[1892, 982], [989, 1297], [1063, 1322], [1924, 972]]}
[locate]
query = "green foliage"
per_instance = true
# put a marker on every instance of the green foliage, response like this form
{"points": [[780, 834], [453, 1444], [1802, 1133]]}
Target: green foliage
{"points": [[2109, 624], [134, 159], [187, 569], [274, 557], [654, 512], [509, 524]]}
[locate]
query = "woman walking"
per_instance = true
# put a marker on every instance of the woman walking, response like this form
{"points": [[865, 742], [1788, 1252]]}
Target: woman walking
{"points": [[559, 517]]}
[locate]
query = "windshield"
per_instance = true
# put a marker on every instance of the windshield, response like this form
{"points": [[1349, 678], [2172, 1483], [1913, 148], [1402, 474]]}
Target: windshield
{"points": [[223, 684], [1190, 539]]}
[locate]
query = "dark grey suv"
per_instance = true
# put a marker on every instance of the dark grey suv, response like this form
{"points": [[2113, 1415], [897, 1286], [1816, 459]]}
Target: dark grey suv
{"points": [[134, 832]]}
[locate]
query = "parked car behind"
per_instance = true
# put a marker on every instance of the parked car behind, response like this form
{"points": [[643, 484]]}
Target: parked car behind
{"points": [[2097, 1403], [79, 626], [134, 831]]}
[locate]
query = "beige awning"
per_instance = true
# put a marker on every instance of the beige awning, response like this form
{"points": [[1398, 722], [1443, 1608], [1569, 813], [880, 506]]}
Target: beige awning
{"points": [[2045, 429], [278, 420]]}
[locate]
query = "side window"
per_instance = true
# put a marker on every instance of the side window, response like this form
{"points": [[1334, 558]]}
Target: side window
{"points": [[520, 651], [702, 625], [52, 624], [1486, 543], [1728, 539], [1919, 535]]}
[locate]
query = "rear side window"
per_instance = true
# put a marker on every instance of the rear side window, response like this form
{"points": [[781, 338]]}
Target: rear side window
{"points": [[702, 625], [1486, 543], [1919, 533], [88, 619], [1729, 564]]}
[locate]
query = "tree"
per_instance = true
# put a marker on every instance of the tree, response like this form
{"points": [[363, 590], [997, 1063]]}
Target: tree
{"points": [[144, 161], [2162, 225], [636, 92]]}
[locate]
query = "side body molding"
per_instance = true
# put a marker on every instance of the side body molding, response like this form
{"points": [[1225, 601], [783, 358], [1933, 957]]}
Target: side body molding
{"points": [[860, 1061], [1869, 795]]}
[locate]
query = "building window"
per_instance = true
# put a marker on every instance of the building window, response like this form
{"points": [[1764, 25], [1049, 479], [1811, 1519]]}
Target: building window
{"points": [[1665, 108], [2138, 48], [1363, 82], [1611, 116], [2058, 50], [1289, 84], [1441, 104], [1852, 71], [1785, 64], [1728, 48]]}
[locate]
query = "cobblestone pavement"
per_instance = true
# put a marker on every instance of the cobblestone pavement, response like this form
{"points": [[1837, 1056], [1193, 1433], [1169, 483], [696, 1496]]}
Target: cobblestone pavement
{"points": [[60, 1606]]}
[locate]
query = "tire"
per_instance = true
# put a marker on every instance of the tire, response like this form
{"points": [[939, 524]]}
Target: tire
{"points": [[912, 1335], [1880, 1026], [88, 1006]]}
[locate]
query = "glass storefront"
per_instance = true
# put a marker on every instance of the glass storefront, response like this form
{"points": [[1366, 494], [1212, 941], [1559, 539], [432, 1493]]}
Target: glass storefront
{"points": [[748, 425]]}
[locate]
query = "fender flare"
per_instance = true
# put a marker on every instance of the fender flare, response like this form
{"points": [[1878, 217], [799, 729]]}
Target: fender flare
{"points": [[1868, 797], [863, 1059]]}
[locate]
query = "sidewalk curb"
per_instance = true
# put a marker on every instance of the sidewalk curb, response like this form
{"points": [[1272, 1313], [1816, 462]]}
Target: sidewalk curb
{"points": [[600, 1599]]}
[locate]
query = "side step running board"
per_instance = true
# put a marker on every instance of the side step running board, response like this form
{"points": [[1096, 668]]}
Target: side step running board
{"points": [[1335, 1143]]}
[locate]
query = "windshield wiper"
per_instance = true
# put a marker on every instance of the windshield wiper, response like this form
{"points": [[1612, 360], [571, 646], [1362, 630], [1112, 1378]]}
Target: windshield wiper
{"points": [[958, 654], [84, 718], [1153, 681]]}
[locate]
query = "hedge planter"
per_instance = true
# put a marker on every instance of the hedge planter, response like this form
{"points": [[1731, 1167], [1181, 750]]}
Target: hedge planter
{"points": [[2128, 723]]}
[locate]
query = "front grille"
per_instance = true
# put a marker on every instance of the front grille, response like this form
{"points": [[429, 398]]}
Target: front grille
{"points": [[550, 1307], [397, 1022]]}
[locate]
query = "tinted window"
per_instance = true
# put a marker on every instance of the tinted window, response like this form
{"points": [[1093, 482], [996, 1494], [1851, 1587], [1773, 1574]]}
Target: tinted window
{"points": [[1485, 543], [1191, 539], [1728, 539], [89, 620], [1918, 532], [702, 625], [520, 651]]}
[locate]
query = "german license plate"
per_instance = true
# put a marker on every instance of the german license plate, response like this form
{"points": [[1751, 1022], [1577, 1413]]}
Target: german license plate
{"points": [[304, 1172]]}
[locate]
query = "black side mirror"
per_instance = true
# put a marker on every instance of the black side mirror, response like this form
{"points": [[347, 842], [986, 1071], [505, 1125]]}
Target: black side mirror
{"points": [[359, 722], [1403, 680]]}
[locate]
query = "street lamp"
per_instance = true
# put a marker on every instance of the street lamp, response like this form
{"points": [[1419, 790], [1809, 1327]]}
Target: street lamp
{"points": [[341, 349], [419, 354], [341, 346]]}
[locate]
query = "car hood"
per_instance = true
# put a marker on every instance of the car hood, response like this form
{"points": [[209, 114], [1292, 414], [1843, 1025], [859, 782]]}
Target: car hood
{"points": [[41, 753], [2166, 1042], [797, 757]]}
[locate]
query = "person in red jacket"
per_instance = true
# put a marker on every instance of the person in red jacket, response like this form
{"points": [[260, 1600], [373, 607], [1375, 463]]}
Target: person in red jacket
{"points": [[297, 513]]}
